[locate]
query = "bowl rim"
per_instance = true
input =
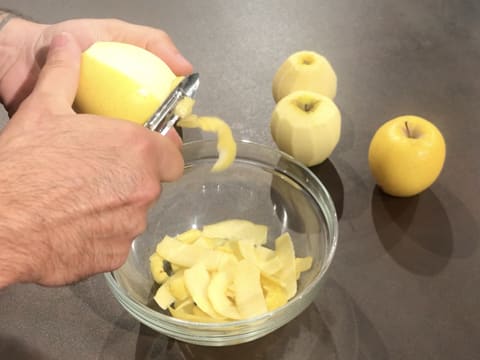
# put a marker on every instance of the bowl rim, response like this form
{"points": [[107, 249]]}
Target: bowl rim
{"points": [[332, 229]]}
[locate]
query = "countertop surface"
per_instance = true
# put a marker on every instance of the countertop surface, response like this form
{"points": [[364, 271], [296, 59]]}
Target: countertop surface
{"points": [[404, 283]]}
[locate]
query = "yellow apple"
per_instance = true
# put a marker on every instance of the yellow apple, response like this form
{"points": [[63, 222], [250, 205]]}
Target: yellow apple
{"points": [[307, 126], [305, 70], [406, 155], [122, 81]]}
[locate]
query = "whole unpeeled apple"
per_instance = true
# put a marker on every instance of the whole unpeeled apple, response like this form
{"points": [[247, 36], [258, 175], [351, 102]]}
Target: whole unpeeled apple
{"points": [[406, 155], [305, 70], [122, 81], [307, 126]]}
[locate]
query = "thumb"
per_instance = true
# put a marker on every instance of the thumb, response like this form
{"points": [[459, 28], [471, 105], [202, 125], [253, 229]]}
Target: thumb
{"points": [[58, 80]]}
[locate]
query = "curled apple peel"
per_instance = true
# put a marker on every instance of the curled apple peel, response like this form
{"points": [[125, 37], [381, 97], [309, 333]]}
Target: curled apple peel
{"points": [[226, 145]]}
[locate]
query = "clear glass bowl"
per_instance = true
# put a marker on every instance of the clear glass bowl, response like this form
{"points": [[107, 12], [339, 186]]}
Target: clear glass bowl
{"points": [[264, 186]]}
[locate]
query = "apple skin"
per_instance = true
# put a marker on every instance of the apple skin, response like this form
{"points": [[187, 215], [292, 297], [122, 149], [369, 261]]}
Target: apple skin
{"points": [[307, 126], [122, 81], [406, 161], [305, 70]]}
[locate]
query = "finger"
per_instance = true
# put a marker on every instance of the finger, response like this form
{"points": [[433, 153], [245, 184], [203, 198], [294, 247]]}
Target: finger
{"points": [[154, 40], [58, 79], [167, 157], [173, 135]]}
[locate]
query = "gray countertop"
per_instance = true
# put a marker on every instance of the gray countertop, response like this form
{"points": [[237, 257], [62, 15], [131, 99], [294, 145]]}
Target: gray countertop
{"points": [[405, 280]]}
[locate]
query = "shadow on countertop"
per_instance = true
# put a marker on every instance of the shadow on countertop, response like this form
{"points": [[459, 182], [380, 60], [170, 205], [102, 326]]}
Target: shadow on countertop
{"points": [[328, 175], [12, 348], [418, 232], [332, 328], [295, 206]]}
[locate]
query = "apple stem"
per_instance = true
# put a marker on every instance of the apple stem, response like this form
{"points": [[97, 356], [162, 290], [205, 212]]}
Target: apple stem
{"points": [[408, 130], [307, 107]]}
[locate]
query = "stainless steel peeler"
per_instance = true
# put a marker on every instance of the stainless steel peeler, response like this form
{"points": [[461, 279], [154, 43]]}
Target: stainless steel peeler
{"points": [[164, 118]]}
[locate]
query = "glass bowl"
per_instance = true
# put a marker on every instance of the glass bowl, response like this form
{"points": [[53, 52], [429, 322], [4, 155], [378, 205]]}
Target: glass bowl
{"points": [[264, 186]]}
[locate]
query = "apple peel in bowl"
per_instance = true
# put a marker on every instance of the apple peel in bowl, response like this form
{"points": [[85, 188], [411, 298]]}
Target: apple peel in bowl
{"points": [[225, 273]]}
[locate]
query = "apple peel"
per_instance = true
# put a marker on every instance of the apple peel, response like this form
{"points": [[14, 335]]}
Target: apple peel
{"points": [[226, 145], [225, 272], [248, 290], [183, 314], [156, 268], [237, 229], [163, 297], [286, 254], [217, 293], [197, 280]]}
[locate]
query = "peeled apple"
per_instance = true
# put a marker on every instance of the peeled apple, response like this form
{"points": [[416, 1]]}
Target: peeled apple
{"points": [[305, 70], [307, 126]]}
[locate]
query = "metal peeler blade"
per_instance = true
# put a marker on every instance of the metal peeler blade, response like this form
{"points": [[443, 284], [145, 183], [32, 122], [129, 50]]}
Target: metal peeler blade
{"points": [[164, 118]]}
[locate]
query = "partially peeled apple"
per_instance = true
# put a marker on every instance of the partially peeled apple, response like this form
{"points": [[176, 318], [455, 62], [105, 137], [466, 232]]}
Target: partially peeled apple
{"points": [[122, 81], [127, 82]]}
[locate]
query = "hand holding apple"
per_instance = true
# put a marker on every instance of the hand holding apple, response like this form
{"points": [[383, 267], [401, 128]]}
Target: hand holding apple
{"points": [[127, 82], [406, 155], [76, 189]]}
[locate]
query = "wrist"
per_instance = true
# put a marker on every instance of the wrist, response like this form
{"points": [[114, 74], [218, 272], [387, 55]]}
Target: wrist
{"points": [[15, 259], [10, 269], [12, 258]]}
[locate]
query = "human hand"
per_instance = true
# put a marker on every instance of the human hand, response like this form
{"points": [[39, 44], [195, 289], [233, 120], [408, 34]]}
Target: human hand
{"points": [[27, 43], [75, 188]]}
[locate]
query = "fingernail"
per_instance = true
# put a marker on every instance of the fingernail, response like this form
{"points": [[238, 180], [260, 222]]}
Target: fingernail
{"points": [[181, 60], [59, 40]]}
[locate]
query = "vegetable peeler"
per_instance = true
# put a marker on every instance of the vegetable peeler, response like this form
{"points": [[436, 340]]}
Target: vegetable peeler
{"points": [[165, 118]]}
